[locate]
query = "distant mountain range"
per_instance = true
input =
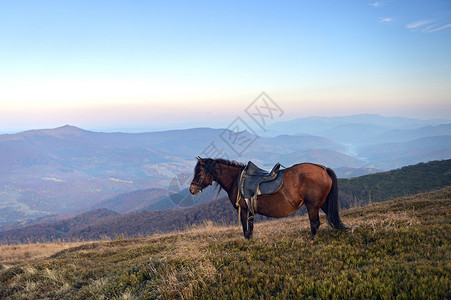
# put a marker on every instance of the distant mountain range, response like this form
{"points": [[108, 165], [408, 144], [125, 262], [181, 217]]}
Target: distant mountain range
{"points": [[70, 170], [326, 126], [105, 223]]}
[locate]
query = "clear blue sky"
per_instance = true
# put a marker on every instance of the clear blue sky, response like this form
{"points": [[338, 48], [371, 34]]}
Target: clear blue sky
{"points": [[136, 64]]}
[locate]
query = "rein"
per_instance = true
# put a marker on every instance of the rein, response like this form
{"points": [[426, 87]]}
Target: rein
{"points": [[201, 178], [238, 196]]}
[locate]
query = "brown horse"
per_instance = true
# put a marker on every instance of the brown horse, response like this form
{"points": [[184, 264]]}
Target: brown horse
{"points": [[312, 184]]}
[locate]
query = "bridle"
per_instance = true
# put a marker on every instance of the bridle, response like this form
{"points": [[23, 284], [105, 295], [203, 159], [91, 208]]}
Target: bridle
{"points": [[201, 178]]}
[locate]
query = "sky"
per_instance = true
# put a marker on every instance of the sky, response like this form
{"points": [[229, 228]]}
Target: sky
{"points": [[139, 65]]}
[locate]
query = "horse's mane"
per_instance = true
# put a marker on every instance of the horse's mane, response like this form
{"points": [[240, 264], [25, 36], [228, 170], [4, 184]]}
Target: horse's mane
{"points": [[232, 163], [210, 163]]}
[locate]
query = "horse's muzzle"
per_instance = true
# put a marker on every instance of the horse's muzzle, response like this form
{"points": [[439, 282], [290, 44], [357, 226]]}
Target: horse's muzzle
{"points": [[194, 189]]}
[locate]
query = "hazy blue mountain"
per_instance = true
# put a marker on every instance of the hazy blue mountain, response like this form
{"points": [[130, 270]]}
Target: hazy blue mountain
{"points": [[395, 155], [323, 156], [355, 134], [184, 198], [317, 125], [68, 169], [362, 134], [404, 135], [132, 201], [290, 143]]}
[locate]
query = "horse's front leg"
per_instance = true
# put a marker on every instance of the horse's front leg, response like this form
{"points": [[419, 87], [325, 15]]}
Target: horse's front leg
{"points": [[247, 223]]}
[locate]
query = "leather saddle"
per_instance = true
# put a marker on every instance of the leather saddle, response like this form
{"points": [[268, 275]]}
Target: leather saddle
{"points": [[256, 181]]}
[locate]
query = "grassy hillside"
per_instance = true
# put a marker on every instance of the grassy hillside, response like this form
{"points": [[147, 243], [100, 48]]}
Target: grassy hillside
{"points": [[399, 248], [384, 186]]}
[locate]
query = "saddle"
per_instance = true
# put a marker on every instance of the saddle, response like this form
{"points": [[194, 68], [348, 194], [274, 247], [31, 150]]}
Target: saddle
{"points": [[255, 181]]}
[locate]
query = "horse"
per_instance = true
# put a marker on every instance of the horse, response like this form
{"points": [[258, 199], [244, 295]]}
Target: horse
{"points": [[305, 183]]}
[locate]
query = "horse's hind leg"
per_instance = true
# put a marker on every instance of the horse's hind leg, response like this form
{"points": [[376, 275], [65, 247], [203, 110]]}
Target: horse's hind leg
{"points": [[313, 214]]}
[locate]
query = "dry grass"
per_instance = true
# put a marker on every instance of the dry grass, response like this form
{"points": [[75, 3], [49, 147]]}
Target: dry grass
{"points": [[377, 258], [192, 245]]}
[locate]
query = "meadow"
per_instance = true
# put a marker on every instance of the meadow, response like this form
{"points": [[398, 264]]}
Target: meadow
{"points": [[394, 249]]}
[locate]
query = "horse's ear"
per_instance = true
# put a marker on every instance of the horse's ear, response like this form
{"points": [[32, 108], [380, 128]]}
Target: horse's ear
{"points": [[200, 161]]}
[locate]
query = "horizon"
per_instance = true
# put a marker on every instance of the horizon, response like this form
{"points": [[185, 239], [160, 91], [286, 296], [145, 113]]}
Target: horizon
{"points": [[141, 64], [214, 126]]}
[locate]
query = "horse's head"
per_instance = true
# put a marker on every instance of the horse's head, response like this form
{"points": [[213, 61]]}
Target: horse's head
{"points": [[202, 177]]}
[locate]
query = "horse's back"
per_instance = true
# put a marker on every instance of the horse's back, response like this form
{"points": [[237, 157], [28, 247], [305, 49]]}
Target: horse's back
{"points": [[301, 183], [314, 180]]}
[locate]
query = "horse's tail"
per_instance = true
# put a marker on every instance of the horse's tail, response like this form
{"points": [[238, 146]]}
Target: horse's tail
{"points": [[330, 207]]}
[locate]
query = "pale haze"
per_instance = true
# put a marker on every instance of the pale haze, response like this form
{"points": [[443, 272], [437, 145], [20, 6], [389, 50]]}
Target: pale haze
{"points": [[141, 65]]}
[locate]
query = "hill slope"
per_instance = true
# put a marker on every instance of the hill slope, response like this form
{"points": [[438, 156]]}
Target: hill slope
{"points": [[128, 225], [55, 230], [378, 258], [384, 186]]}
